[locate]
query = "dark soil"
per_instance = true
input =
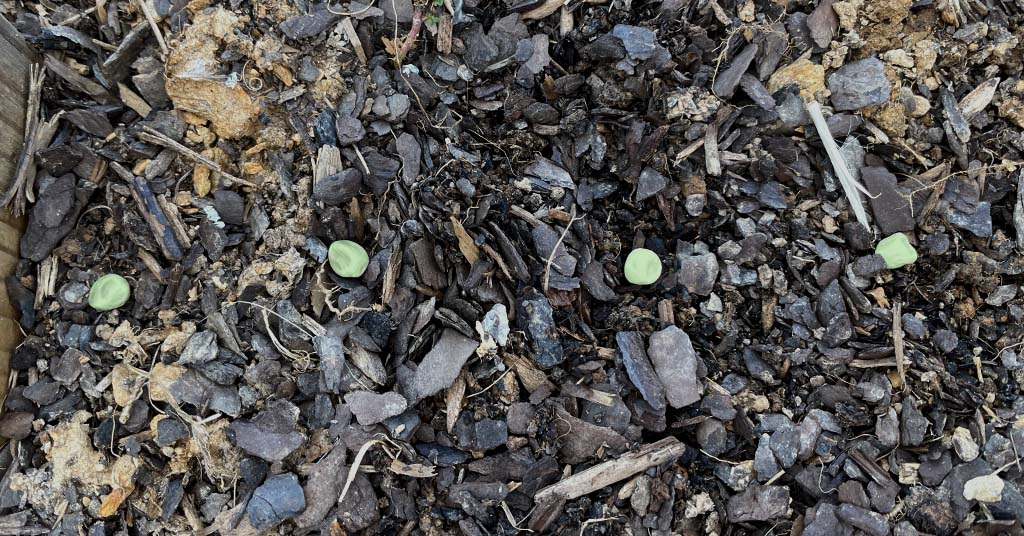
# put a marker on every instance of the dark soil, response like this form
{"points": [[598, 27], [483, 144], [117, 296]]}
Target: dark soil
{"points": [[493, 371]]}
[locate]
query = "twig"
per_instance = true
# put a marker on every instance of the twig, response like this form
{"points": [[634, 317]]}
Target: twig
{"points": [[897, 341], [551, 258], [155, 136], [611, 471], [151, 17], [850, 184], [16, 193], [410, 39]]}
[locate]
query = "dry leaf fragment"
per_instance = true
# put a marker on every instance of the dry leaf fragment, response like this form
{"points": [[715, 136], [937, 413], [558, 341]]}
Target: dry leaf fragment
{"points": [[414, 470], [466, 244]]}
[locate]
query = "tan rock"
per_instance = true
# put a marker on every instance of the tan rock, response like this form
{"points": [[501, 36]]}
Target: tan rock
{"points": [[196, 82], [809, 76], [985, 488], [161, 378], [925, 54], [898, 58], [847, 13]]}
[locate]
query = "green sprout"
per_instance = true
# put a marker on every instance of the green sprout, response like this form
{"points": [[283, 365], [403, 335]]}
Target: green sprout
{"points": [[109, 292], [643, 267], [896, 250], [347, 258]]}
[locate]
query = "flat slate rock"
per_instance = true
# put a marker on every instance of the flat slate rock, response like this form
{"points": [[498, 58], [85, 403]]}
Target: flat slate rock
{"points": [[279, 499], [439, 368], [858, 85], [675, 362], [372, 408], [640, 370], [892, 211], [271, 435]]}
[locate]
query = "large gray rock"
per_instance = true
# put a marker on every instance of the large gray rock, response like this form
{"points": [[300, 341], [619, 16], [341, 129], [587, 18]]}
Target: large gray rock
{"points": [[442, 364], [279, 499], [759, 503], [372, 408], [271, 435], [675, 362], [859, 84]]}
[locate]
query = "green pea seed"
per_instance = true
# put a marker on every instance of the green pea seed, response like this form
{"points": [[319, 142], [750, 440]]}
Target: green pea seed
{"points": [[347, 258], [643, 267], [896, 250], [109, 292]]}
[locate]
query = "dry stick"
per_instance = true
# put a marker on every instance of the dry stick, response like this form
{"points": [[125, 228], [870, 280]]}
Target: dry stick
{"points": [[897, 341], [155, 136], [850, 184], [612, 471], [410, 40], [551, 258], [44, 135], [151, 17], [28, 150]]}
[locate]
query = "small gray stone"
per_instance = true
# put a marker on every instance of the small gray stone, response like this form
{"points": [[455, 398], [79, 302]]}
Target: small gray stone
{"points": [[913, 423], [280, 498], [852, 492], [913, 326], [639, 42], [169, 430], [859, 84], [676, 363], [551, 173], [337, 189], [68, 367], [332, 360], [946, 341], [201, 348], [1001, 295], [883, 498], [785, 444], [830, 309], [978, 223], [520, 416], [271, 435], [869, 265], [698, 273], [892, 212], [712, 437], [651, 183], [726, 81], [372, 408], [765, 464], [318, 20], [482, 435], [824, 522], [230, 206], [537, 317]]}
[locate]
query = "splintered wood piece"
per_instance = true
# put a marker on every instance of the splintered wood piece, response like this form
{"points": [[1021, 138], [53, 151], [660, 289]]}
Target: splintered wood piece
{"points": [[152, 135], [608, 473], [612, 471], [152, 213], [353, 37]]}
